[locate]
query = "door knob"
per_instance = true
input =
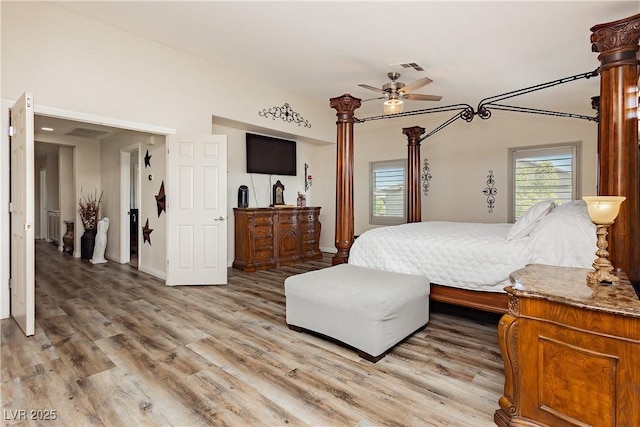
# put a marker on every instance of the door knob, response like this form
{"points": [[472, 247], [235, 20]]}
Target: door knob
{"points": [[219, 219]]}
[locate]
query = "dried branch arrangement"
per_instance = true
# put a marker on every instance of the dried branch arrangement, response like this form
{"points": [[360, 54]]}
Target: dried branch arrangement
{"points": [[89, 209]]}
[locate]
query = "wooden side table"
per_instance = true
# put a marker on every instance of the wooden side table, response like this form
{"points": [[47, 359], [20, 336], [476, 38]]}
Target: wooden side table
{"points": [[571, 351]]}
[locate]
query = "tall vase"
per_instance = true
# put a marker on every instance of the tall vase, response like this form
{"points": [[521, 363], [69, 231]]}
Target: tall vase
{"points": [[87, 242]]}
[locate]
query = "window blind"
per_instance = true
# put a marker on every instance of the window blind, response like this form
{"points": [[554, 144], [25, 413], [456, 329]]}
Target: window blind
{"points": [[541, 174], [388, 192]]}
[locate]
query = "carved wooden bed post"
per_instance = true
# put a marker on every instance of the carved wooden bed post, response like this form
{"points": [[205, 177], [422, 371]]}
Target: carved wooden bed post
{"points": [[345, 106], [618, 171], [414, 208]]}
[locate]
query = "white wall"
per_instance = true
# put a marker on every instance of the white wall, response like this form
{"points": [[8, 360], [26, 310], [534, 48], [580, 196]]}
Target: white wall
{"points": [[153, 254], [86, 169], [67, 188], [260, 186], [460, 157], [76, 64]]}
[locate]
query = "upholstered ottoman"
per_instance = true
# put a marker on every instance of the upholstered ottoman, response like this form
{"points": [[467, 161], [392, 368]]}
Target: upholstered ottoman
{"points": [[370, 310]]}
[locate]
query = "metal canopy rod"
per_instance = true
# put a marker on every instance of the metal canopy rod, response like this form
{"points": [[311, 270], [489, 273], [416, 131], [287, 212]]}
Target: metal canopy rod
{"points": [[535, 88], [417, 112], [543, 112], [467, 112]]}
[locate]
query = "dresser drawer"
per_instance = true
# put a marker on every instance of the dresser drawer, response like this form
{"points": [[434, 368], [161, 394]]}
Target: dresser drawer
{"points": [[264, 231]]}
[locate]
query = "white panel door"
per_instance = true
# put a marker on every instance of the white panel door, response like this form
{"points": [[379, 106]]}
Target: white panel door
{"points": [[196, 203], [21, 209]]}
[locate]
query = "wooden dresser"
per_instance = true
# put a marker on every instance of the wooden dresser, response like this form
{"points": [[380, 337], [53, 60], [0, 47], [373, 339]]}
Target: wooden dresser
{"points": [[571, 351], [271, 237]]}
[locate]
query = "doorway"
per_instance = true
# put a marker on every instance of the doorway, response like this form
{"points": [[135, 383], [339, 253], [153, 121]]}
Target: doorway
{"points": [[130, 204]]}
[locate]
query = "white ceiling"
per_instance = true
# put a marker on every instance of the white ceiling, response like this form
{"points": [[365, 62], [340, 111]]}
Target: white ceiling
{"points": [[322, 49]]}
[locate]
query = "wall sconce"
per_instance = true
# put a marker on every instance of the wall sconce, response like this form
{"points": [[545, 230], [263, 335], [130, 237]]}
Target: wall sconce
{"points": [[308, 179], [603, 210]]}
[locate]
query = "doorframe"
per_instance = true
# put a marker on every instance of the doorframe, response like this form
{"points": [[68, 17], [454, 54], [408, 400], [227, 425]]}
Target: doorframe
{"points": [[43, 218], [125, 198], [6, 105]]}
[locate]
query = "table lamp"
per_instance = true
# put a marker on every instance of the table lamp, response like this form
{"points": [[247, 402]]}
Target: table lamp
{"points": [[603, 210]]}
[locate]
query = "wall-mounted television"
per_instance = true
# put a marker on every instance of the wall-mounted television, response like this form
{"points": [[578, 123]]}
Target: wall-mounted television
{"points": [[271, 156]]}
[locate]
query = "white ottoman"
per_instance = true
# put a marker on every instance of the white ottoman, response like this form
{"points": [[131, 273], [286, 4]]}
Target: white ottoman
{"points": [[370, 310]]}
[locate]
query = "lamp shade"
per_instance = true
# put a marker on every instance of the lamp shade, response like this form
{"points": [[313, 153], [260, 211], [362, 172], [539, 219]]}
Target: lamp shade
{"points": [[393, 106], [603, 209]]}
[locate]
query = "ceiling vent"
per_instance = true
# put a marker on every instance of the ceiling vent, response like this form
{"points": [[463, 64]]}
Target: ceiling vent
{"points": [[86, 133], [408, 66]]}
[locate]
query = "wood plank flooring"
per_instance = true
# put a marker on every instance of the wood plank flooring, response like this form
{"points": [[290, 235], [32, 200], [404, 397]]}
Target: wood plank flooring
{"points": [[115, 347]]}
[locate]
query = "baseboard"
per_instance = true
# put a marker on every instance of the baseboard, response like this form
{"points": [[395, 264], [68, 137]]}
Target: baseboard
{"points": [[329, 250], [113, 258], [152, 271]]}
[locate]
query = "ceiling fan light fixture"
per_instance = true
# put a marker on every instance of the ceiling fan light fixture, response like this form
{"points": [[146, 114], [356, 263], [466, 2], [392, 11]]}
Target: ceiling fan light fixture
{"points": [[393, 105]]}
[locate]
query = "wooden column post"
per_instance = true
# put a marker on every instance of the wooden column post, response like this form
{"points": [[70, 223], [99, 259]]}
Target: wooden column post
{"points": [[619, 175], [345, 106], [414, 206]]}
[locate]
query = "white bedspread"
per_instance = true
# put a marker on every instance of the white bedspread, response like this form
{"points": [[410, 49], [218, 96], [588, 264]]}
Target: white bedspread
{"points": [[472, 256], [476, 256]]}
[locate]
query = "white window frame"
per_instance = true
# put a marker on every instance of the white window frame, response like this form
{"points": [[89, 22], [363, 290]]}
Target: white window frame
{"points": [[384, 219], [516, 153]]}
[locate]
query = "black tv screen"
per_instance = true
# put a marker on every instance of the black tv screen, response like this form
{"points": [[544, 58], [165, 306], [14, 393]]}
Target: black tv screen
{"points": [[269, 155]]}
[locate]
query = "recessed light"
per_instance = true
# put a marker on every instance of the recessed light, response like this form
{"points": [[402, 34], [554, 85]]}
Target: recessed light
{"points": [[47, 129]]}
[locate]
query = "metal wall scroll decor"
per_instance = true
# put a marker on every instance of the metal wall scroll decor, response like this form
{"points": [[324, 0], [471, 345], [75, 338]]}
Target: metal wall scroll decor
{"points": [[490, 191], [286, 114], [425, 177]]}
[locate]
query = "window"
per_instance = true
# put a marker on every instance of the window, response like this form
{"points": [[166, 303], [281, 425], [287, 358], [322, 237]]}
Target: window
{"points": [[388, 195], [540, 173]]}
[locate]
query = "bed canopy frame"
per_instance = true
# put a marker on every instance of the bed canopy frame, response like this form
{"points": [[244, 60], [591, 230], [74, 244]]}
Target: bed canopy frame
{"points": [[618, 164]]}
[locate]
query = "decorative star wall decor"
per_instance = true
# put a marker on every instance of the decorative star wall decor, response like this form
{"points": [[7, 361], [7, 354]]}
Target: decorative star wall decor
{"points": [[146, 232], [147, 160], [160, 199]]}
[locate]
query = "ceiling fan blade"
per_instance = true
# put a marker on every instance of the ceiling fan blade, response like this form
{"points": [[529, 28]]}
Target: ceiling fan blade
{"points": [[420, 97], [416, 85], [372, 88], [374, 99]]}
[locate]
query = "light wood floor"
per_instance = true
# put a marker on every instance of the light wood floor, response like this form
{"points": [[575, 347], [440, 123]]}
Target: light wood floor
{"points": [[115, 347]]}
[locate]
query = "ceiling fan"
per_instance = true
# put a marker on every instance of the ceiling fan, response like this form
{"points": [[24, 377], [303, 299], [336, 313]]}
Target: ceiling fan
{"points": [[395, 91]]}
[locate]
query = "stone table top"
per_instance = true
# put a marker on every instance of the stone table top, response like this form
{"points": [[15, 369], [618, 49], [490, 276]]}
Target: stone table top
{"points": [[568, 285]]}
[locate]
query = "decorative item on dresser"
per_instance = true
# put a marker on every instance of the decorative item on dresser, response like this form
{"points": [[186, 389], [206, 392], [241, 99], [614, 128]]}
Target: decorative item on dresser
{"points": [[603, 210], [571, 350], [68, 238], [272, 237]]}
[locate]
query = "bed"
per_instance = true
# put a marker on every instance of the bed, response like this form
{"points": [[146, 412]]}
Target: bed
{"points": [[480, 256], [618, 163]]}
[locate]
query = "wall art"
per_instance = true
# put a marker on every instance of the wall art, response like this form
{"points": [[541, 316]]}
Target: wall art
{"points": [[425, 177], [161, 199], [146, 232], [147, 160], [490, 191], [285, 113]]}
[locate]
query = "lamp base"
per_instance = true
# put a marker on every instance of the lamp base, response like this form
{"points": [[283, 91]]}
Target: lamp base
{"points": [[602, 277], [602, 265]]}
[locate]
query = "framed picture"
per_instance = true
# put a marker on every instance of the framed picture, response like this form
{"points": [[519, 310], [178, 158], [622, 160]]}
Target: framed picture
{"points": [[278, 193]]}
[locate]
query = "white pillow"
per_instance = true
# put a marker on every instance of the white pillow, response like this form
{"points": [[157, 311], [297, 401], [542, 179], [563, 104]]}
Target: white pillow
{"points": [[565, 237], [527, 222]]}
